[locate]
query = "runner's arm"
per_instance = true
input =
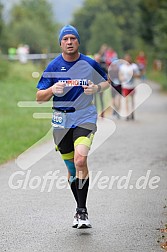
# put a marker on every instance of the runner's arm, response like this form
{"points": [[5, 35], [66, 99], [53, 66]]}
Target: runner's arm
{"points": [[103, 86], [44, 95], [96, 88]]}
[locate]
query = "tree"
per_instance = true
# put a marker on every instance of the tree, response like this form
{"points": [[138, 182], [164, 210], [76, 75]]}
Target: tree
{"points": [[1, 24], [32, 23], [1, 20], [147, 13], [153, 29], [104, 30], [83, 18], [124, 17], [160, 31]]}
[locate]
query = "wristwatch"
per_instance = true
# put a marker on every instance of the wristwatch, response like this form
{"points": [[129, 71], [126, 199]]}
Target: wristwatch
{"points": [[98, 88]]}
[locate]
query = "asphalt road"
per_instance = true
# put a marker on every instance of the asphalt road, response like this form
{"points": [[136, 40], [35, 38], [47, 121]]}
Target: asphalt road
{"points": [[125, 208]]}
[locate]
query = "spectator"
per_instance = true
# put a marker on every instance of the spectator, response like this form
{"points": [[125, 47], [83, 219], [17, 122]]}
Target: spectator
{"points": [[110, 56], [127, 74], [22, 52], [11, 53], [142, 63]]}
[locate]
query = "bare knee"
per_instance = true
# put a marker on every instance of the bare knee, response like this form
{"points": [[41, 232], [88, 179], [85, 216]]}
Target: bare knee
{"points": [[80, 163], [81, 167]]}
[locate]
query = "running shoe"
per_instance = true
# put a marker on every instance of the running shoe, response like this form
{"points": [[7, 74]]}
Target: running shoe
{"points": [[83, 221], [132, 116], [75, 221]]}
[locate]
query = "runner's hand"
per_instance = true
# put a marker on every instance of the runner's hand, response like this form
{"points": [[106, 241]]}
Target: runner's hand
{"points": [[58, 88], [91, 89]]}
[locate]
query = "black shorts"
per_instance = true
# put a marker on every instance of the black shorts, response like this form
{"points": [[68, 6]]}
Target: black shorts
{"points": [[67, 139]]}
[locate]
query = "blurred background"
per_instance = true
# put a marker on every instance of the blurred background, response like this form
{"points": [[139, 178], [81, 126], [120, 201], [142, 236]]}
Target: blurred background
{"points": [[32, 27]]}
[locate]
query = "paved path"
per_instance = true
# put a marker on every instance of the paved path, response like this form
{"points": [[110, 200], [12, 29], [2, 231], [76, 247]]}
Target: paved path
{"points": [[123, 219]]}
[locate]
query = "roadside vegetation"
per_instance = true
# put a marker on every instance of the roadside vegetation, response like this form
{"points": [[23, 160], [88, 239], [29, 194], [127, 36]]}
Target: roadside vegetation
{"points": [[18, 129]]}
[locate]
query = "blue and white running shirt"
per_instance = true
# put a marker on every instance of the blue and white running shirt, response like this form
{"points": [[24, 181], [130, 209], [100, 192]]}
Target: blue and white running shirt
{"points": [[74, 74]]}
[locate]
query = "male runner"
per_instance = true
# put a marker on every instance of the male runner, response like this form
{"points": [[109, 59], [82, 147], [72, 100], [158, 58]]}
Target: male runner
{"points": [[71, 79]]}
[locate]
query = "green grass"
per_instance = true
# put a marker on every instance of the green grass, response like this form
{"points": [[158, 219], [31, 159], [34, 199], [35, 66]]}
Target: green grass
{"points": [[18, 129], [158, 77]]}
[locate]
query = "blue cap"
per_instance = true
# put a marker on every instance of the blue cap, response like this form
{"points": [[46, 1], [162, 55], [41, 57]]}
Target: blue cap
{"points": [[68, 29]]}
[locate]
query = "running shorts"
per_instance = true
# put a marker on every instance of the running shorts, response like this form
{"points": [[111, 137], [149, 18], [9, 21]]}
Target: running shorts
{"points": [[126, 92], [66, 139]]}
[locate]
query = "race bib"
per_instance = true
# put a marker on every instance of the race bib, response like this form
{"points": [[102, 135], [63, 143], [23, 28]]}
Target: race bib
{"points": [[58, 119]]}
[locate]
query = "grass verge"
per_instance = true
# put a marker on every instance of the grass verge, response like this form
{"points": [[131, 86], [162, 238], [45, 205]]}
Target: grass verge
{"points": [[158, 77], [18, 129]]}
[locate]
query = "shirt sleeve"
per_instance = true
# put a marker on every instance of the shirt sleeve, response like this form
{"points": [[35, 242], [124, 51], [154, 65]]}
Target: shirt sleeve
{"points": [[99, 75], [46, 79]]}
